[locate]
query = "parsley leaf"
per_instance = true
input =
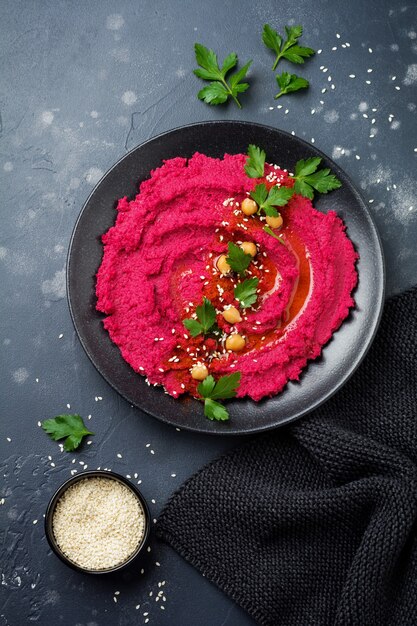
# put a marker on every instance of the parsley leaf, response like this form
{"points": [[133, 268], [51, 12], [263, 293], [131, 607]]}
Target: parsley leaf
{"points": [[277, 196], [205, 388], [289, 82], [245, 292], [219, 90], [307, 178], [289, 49], [193, 326], [223, 389], [269, 230], [206, 319], [215, 410], [255, 163], [70, 426], [238, 260]]}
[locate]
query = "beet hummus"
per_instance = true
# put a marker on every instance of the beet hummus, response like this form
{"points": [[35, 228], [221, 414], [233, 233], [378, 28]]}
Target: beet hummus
{"points": [[161, 259]]}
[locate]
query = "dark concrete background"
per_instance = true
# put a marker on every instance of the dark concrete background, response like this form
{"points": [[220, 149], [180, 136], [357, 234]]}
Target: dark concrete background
{"points": [[81, 83]]}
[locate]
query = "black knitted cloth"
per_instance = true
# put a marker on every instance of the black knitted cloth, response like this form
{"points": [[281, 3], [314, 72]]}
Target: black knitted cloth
{"points": [[315, 524]]}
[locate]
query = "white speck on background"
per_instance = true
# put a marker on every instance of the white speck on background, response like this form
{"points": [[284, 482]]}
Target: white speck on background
{"points": [[121, 54], [8, 166], [412, 34], [411, 106], [114, 21], [3, 252], [411, 75], [47, 117], [54, 288], [363, 106], [93, 175], [94, 114], [129, 98], [394, 47], [180, 72], [331, 116], [395, 124], [20, 375], [339, 151], [74, 183]]}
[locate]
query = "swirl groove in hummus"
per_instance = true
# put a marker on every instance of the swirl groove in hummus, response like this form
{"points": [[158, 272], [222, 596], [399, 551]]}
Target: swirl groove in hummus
{"points": [[160, 261]]}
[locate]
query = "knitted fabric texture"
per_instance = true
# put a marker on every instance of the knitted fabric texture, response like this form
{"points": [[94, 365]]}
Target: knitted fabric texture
{"points": [[315, 523]]}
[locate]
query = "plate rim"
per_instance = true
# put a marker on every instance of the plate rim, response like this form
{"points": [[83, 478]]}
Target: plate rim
{"points": [[360, 355]]}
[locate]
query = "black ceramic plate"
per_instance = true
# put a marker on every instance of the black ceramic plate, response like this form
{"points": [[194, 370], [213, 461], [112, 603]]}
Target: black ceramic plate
{"points": [[322, 378]]}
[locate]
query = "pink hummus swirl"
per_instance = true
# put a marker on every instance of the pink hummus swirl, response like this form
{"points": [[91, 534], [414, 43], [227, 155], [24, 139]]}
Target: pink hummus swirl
{"points": [[160, 260]]}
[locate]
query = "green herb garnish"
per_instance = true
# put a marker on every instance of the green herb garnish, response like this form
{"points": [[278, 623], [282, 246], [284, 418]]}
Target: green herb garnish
{"points": [[269, 230], [307, 178], [238, 260], [286, 49], [255, 163], [267, 200], [206, 319], [219, 90], [245, 292], [223, 389], [288, 83], [70, 426]]}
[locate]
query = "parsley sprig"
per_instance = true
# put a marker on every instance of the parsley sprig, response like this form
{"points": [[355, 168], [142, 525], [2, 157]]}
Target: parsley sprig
{"points": [[220, 89], [308, 179], [223, 389], [288, 83], [268, 200], [269, 230], [238, 260], [245, 292], [70, 427], [255, 163], [287, 49], [206, 319]]}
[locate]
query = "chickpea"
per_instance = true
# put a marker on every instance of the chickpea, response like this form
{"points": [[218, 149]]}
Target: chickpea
{"points": [[232, 315], [222, 264], [249, 206], [274, 222], [235, 342], [249, 248], [199, 372]]}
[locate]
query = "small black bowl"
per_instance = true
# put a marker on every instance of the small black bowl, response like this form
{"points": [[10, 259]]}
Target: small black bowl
{"points": [[59, 493]]}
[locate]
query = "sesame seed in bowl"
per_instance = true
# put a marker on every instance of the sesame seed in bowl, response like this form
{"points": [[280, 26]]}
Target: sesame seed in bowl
{"points": [[97, 522]]}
